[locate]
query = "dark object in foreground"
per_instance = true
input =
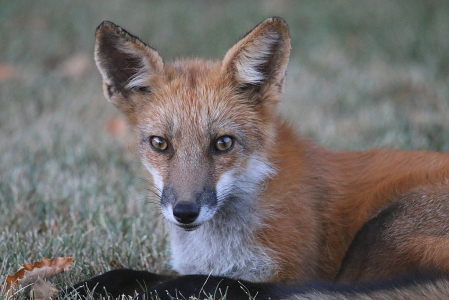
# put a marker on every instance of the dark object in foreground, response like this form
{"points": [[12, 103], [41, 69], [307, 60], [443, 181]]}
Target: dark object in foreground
{"points": [[118, 282]]}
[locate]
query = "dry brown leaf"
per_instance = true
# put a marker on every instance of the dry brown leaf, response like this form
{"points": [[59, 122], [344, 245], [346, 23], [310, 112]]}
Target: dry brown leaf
{"points": [[29, 274]]}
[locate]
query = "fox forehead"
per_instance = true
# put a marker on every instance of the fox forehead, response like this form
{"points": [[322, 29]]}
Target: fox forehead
{"points": [[193, 101]]}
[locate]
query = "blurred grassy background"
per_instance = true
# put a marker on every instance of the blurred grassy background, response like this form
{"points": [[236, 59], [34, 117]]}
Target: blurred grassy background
{"points": [[362, 74]]}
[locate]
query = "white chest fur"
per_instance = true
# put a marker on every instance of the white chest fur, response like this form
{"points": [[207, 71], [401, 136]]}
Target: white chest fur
{"points": [[221, 247]]}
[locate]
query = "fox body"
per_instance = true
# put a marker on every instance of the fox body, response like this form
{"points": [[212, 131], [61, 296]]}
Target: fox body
{"points": [[245, 196]]}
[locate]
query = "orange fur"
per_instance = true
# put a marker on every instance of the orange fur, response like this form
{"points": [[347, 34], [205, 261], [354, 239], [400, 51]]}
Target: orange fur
{"points": [[330, 195]]}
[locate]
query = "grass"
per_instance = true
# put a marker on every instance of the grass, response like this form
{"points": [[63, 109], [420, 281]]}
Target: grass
{"points": [[361, 75]]}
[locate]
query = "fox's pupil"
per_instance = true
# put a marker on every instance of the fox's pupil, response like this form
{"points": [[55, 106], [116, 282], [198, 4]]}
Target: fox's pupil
{"points": [[158, 143], [224, 143]]}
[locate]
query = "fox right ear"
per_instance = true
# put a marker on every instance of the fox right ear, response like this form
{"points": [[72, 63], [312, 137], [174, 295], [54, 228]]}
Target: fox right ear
{"points": [[257, 63], [126, 64]]}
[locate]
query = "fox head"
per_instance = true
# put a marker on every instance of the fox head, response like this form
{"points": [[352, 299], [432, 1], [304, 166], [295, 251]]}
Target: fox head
{"points": [[203, 128]]}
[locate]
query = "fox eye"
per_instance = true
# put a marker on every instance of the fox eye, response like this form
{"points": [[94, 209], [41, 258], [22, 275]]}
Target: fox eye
{"points": [[143, 89], [224, 143], [158, 143]]}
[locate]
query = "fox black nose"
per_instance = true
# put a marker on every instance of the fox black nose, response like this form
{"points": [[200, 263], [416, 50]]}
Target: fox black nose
{"points": [[186, 213]]}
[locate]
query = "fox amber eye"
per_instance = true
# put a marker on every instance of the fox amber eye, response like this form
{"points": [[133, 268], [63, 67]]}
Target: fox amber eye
{"points": [[158, 143], [224, 143]]}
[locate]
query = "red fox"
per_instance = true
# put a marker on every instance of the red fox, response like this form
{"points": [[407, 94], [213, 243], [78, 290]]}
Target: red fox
{"points": [[246, 197]]}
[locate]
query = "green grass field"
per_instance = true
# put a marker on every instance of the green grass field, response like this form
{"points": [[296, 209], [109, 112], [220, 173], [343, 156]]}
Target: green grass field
{"points": [[362, 74]]}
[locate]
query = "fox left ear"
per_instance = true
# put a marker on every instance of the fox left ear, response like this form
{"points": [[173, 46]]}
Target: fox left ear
{"points": [[257, 63], [126, 64]]}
